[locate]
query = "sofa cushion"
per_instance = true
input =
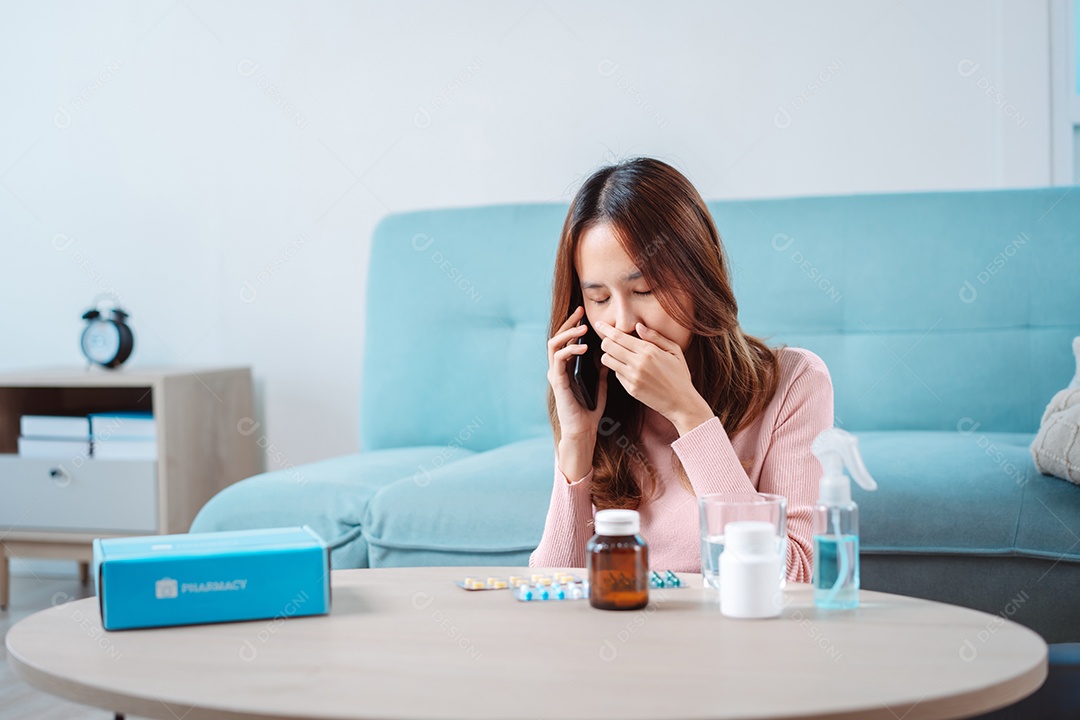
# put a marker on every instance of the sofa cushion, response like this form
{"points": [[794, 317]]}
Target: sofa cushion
{"points": [[487, 509], [964, 492], [926, 307], [458, 301], [331, 496]]}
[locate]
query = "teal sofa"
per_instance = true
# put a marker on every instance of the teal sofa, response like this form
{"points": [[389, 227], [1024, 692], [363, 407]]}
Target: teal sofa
{"points": [[945, 319]]}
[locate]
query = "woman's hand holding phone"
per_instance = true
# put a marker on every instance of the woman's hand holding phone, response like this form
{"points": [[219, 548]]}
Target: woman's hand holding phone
{"points": [[578, 424]]}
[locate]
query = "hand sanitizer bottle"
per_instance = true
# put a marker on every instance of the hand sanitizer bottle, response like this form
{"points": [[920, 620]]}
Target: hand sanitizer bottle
{"points": [[836, 520]]}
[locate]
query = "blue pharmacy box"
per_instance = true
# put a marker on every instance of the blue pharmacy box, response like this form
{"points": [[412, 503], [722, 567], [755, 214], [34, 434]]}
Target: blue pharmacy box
{"points": [[161, 580]]}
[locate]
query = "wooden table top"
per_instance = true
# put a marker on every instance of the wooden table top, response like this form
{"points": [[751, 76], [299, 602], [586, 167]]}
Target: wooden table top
{"points": [[407, 643]]}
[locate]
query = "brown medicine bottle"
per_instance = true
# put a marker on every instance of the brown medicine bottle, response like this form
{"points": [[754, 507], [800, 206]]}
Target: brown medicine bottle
{"points": [[618, 562]]}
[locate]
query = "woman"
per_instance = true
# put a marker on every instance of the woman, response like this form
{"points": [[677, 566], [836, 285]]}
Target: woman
{"points": [[688, 404]]}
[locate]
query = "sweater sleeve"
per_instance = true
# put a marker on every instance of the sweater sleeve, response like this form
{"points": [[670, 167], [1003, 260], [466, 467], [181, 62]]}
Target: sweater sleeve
{"points": [[568, 526], [788, 468]]}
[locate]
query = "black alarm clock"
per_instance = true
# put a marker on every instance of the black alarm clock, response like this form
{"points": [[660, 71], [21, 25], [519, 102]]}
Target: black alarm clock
{"points": [[107, 340]]}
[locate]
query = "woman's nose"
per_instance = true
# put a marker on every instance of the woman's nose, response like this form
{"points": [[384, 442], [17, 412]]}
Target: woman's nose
{"points": [[625, 320]]}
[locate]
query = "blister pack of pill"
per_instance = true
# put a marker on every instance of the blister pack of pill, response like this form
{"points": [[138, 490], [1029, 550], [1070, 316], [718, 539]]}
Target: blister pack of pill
{"points": [[491, 583], [667, 580], [559, 586]]}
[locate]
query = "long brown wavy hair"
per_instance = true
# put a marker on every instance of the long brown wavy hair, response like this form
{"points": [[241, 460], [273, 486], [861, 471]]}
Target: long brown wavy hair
{"points": [[663, 224]]}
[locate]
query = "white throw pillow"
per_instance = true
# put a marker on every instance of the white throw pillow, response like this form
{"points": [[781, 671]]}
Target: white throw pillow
{"points": [[1056, 448]]}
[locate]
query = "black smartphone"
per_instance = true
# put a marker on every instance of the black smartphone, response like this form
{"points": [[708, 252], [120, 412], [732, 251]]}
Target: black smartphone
{"points": [[585, 377]]}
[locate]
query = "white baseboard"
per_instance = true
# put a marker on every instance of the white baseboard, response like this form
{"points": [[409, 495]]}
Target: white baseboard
{"points": [[32, 567]]}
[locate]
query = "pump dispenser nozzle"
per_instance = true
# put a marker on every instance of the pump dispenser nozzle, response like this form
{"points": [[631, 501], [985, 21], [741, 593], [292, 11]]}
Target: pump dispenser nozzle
{"points": [[834, 449]]}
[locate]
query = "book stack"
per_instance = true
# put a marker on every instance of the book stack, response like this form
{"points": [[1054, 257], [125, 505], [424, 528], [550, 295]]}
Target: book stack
{"points": [[100, 436], [50, 436], [124, 436]]}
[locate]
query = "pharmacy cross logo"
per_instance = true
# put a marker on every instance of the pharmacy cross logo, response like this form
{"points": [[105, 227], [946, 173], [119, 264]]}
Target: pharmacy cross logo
{"points": [[165, 588]]}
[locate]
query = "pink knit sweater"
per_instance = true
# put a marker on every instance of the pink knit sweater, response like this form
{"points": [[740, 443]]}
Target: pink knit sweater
{"points": [[778, 443]]}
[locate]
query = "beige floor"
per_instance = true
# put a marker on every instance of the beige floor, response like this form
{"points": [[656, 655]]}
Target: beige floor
{"points": [[17, 699]]}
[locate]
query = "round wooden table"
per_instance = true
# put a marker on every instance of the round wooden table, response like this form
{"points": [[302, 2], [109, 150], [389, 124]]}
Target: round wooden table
{"points": [[408, 643]]}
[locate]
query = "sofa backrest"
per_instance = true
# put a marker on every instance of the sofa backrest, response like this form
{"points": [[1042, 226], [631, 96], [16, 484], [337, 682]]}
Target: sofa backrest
{"points": [[933, 311]]}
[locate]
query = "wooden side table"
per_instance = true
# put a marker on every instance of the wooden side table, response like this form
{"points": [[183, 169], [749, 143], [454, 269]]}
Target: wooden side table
{"points": [[55, 508], [408, 643]]}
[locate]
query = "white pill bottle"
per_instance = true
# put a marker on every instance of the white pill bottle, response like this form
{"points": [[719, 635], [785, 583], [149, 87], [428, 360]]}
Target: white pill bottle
{"points": [[750, 571]]}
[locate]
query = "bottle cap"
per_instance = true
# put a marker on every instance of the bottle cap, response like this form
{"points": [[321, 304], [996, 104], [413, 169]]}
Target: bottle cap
{"points": [[617, 522], [750, 537]]}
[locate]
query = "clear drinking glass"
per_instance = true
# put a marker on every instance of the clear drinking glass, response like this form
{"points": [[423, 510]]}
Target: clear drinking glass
{"points": [[718, 509]]}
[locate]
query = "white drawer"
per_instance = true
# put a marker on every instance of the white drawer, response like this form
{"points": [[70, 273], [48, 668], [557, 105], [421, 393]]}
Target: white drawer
{"points": [[118, 495]]}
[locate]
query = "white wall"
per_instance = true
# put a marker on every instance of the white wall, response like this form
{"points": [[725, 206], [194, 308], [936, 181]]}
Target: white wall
{"points": [[142, 153]]}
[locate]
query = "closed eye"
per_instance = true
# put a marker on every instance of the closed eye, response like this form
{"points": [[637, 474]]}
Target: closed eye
{"points": [[642, 293]]}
